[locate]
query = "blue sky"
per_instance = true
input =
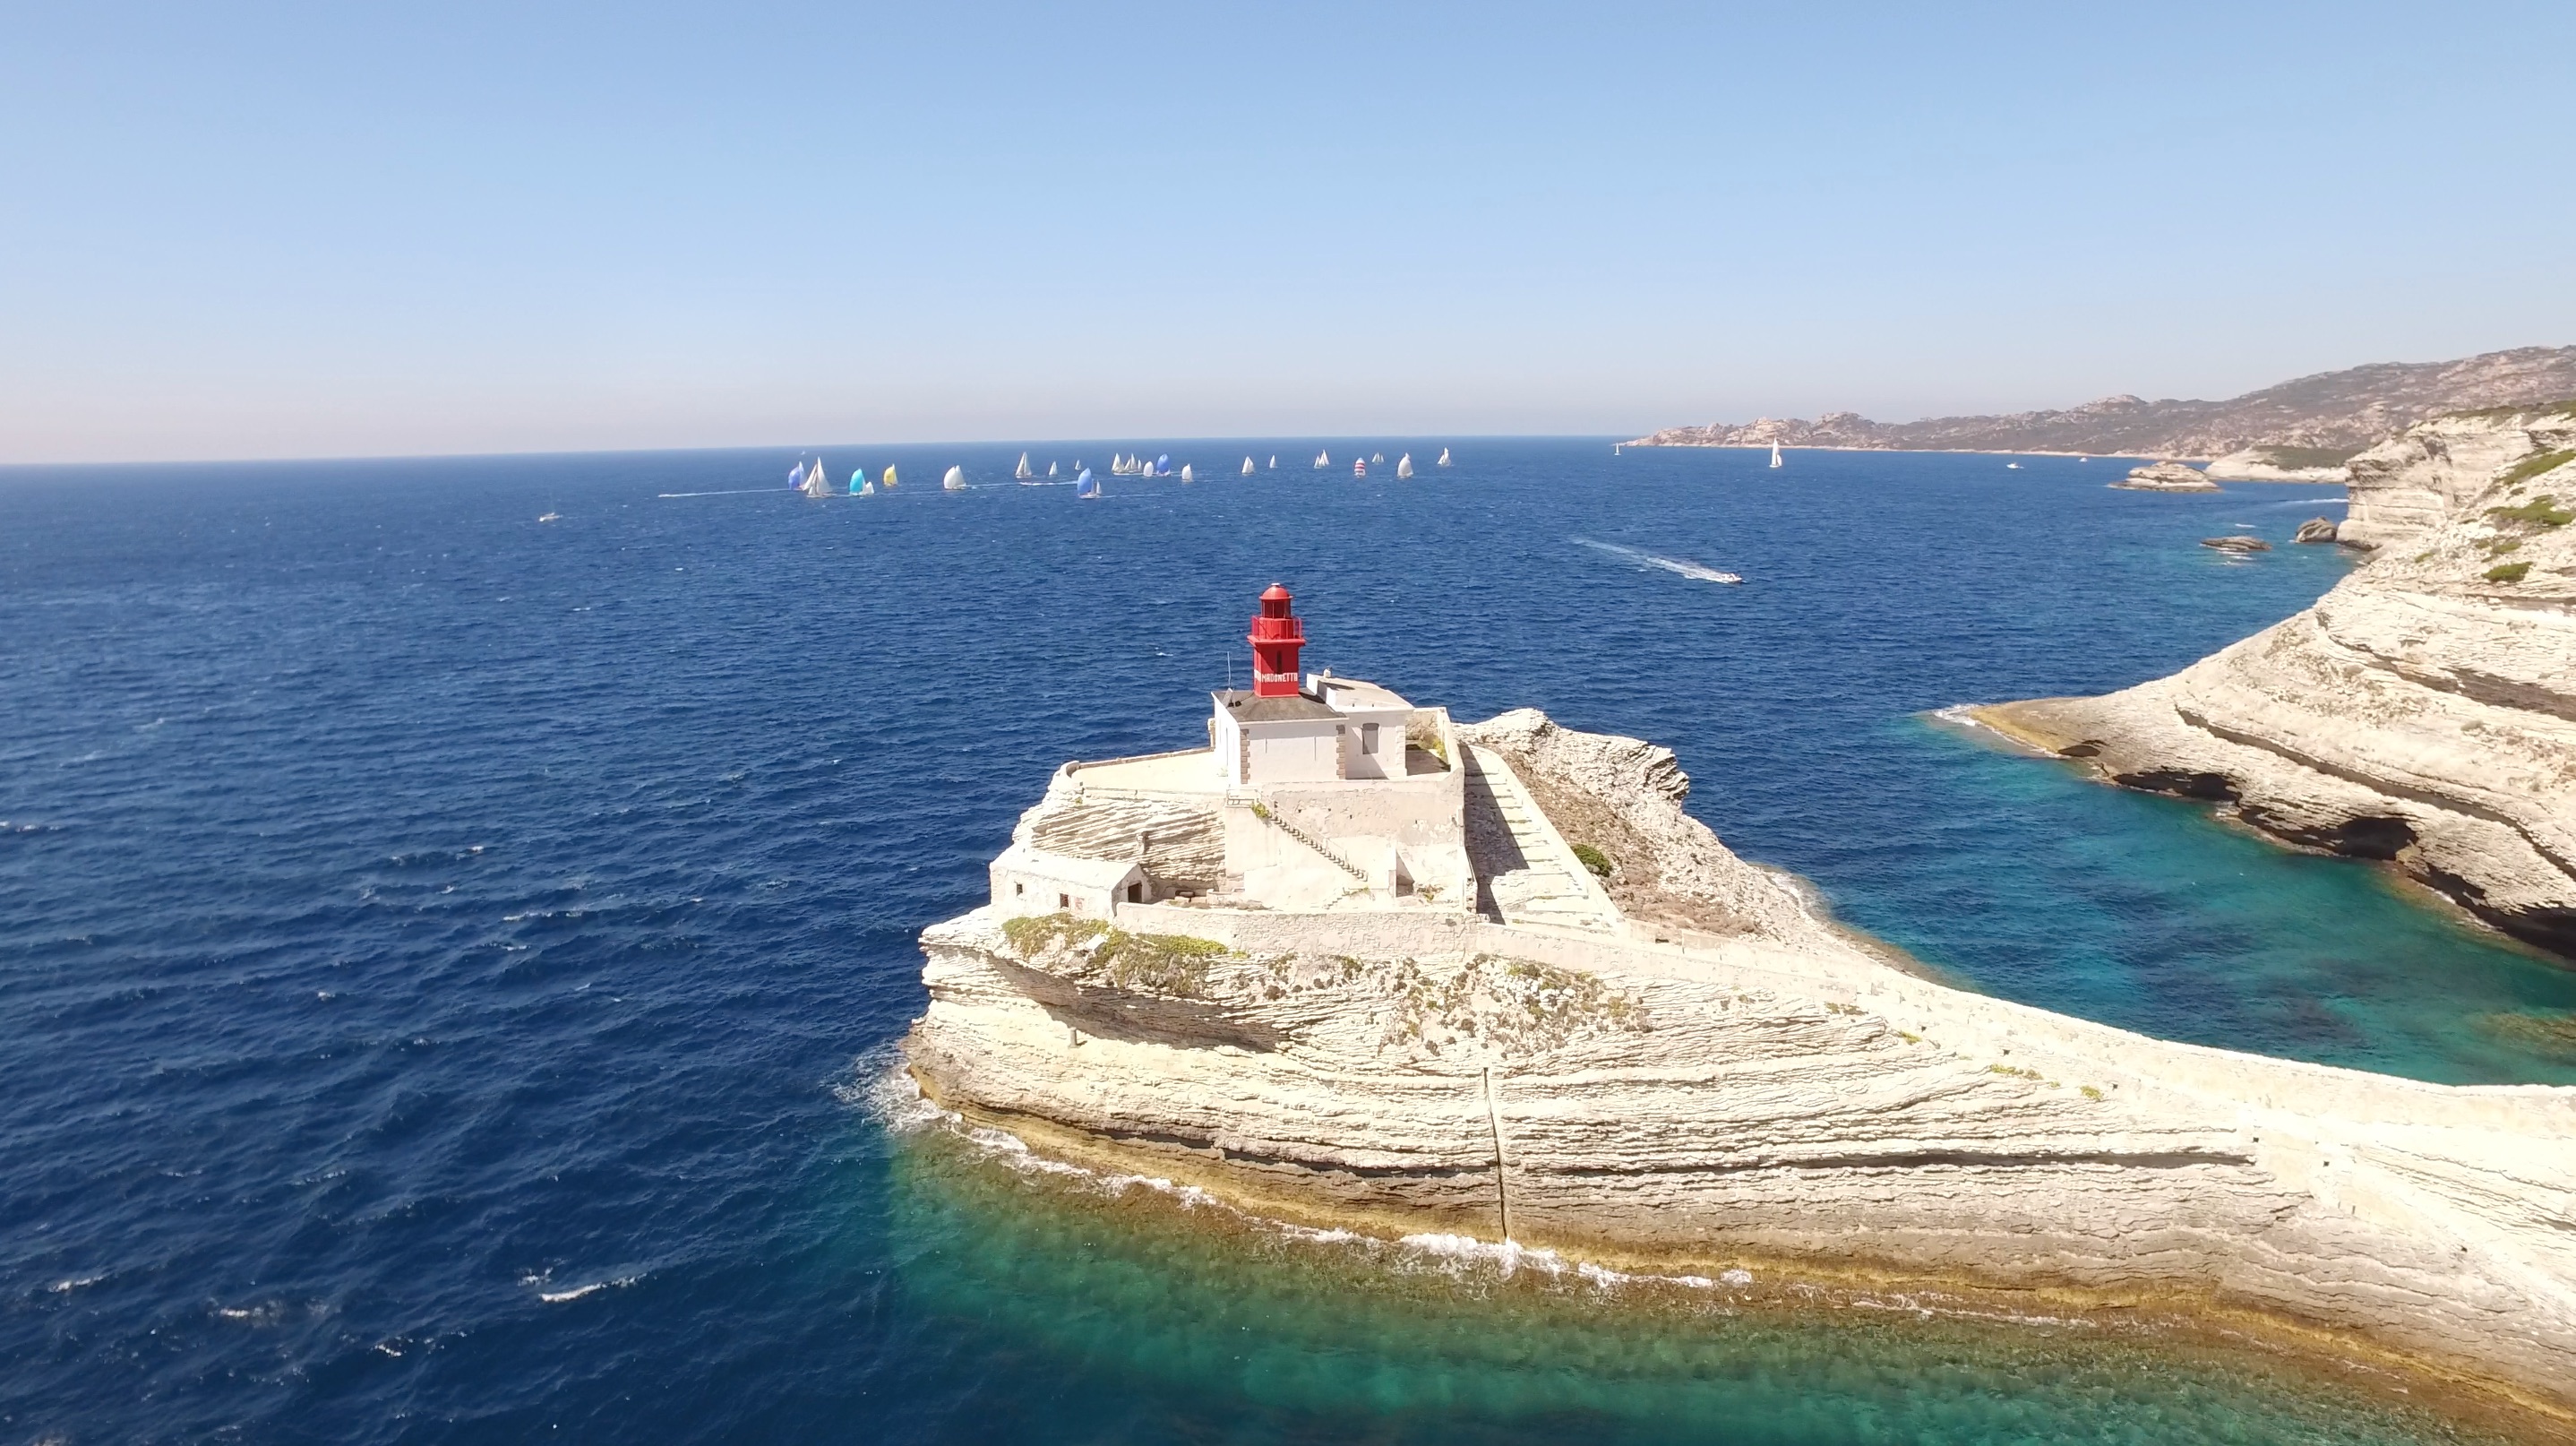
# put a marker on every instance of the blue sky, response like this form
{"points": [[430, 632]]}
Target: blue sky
{"points": [[277, 230]]}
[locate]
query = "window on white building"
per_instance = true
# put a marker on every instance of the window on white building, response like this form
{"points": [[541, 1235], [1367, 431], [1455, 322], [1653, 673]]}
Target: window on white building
{"points": [[1368, 738]]}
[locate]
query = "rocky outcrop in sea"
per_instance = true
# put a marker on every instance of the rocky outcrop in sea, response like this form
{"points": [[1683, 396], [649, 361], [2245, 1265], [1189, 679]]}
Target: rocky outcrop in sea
{"points": [[2423, 711], [2166, 477], [1717, 1082]]}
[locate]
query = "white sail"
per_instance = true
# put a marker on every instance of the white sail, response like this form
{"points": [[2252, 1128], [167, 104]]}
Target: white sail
{"points": [[1024, 472], [1322, 461], [1444, 456], [1775, 454], [818, 483], [1274, 461], [1404, 465], [1050, 469], [1186, 474], [1247, 466], [1379, 458], [955, 481]]}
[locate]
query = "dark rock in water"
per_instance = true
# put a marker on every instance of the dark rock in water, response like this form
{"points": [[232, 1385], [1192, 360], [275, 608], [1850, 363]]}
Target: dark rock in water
{"points": [[2315, 529], [2238, 544]]}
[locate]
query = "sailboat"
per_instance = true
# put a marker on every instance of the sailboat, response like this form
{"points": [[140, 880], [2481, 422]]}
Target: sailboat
{"points": [[796, 475], [1359, 466], [1247, 466], [1614, 448], [1050, 469], [1444, 457], [1322, 461], [818, 483], [1086, 486], [2012, 466], [1024, 473], [1379, 458], [888, 482], [1163, 465], [1186, 475], [1404, 465], [1274, 461], [955, 481], [860, 486], [1775, 454]]}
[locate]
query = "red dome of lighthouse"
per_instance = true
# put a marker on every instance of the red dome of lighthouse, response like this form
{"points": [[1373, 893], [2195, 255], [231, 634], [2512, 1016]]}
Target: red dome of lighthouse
{"points": [[1277, 636]]}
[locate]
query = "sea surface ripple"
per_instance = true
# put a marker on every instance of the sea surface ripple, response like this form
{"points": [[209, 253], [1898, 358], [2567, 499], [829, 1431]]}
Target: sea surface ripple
{"points": [[443, 949]]}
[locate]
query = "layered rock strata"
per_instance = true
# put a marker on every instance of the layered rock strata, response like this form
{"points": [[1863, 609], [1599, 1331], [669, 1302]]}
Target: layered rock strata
{"points": [[2282, 464], [1732, 1081], [2423, 712]]}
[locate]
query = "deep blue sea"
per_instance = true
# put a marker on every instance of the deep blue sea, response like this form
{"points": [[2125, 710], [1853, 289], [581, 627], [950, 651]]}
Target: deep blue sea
{"points": [[444, 955]]}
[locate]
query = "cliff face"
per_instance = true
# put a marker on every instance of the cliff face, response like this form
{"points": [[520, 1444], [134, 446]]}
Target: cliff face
{"points": [[2424, 711], [2336, 412], [1734, 1083]]}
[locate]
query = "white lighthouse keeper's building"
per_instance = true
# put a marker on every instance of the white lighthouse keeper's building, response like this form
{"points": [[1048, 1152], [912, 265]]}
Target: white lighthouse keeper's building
{"points": [[1315, 792]]}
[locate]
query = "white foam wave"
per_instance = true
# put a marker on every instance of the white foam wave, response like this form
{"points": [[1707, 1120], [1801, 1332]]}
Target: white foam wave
{"points": [[1695, 571], [558, 1297], [66, 1287]]}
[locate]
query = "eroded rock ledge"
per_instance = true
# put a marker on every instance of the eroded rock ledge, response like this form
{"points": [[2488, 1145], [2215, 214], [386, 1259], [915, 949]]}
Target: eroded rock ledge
{"points": [[2423, 712], [1728, 1080]]}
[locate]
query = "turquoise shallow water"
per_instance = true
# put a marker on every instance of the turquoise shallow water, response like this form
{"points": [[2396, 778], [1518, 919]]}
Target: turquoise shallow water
{"points": [[434, 944], [1198, 1318]]}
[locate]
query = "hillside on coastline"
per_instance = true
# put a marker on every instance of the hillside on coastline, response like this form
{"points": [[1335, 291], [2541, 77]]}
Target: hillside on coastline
{"points": [[2315, 420]]}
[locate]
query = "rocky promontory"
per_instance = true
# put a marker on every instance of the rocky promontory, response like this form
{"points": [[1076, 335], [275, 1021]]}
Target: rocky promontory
{"points": [[1687, 1068], [2166, 477], [2423, 711]]}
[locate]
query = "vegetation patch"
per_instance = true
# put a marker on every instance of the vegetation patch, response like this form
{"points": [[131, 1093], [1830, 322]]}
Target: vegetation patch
{"points": [[1595, 860], [1515, 1007], [2508, 571], [1035, 934], [1174, 964], [2307, 456], [2566, 408], [1427, 738], [2536, 464]]}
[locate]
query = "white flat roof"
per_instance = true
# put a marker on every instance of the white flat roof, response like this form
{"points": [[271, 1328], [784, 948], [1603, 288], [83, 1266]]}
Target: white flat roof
{"points": [[1359, 693], [1089, 873], [1190, 771]]}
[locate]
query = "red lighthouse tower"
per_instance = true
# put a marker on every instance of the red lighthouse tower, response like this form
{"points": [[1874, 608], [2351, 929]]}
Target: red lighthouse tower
{"points": [[1276, 638]]}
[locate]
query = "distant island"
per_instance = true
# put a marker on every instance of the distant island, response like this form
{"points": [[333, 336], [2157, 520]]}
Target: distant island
{"points": [[2313, 423]]}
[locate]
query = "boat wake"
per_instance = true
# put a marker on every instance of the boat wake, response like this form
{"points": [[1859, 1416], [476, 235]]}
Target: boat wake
{"points": [[728, 492], [1691, 570]]}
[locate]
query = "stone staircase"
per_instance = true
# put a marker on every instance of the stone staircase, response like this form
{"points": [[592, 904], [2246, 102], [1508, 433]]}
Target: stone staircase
{"points": [[1270, 817], [1524, 869]]}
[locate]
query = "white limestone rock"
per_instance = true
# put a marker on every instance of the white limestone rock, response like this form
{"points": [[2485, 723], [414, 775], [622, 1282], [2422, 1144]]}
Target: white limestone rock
{"points": [[2166, 477], [2276, 464], [1774, 1092], [2424, 711]]}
